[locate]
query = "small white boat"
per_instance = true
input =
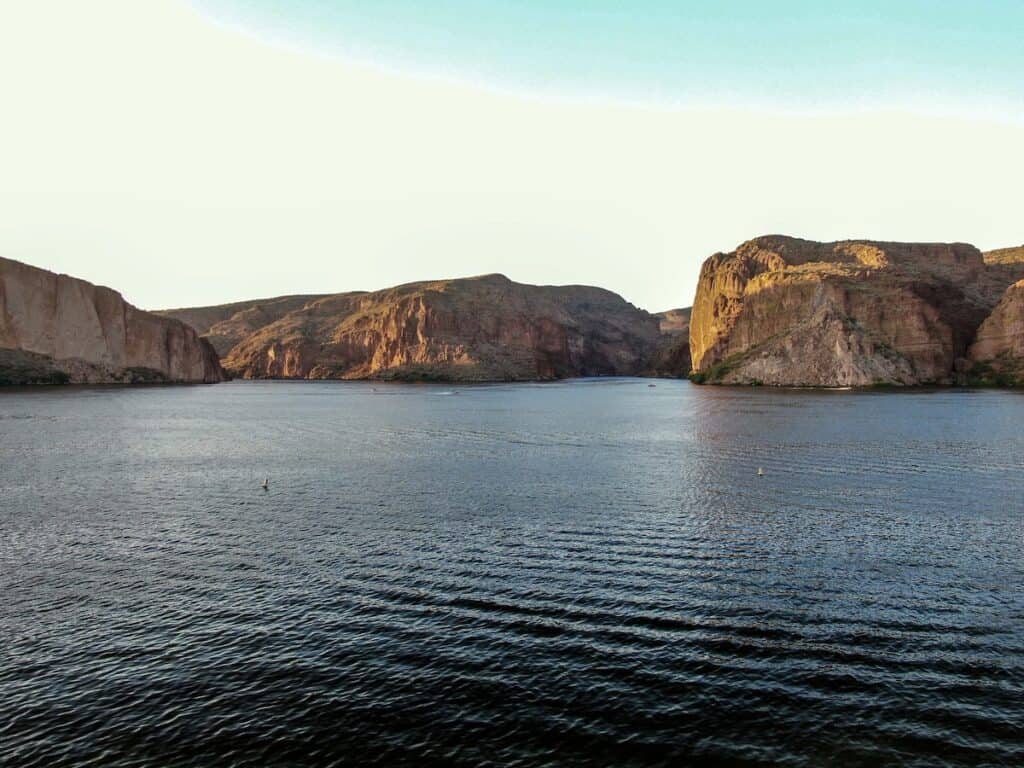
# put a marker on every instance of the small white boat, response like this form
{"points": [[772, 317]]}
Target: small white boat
{"points": [[265, 484], [760, 472]]}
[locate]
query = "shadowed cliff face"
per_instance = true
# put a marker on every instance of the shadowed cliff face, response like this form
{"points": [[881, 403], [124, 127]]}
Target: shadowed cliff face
{"points": [[672, 358], [998, 350], [226, 325], [790, 312], [56, 328], [476, 329]]}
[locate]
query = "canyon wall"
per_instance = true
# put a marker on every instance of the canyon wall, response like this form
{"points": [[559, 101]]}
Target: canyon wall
{"points": [[55, 328], [672, 357], [998, 350], [788, 312], [225, 325], [486, 328]]}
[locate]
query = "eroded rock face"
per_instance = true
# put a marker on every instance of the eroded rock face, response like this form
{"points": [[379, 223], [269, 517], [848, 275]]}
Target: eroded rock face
{"points": [[476, 329], [83, 333], [789, 312], [998, 350], [226, 325], [672, 358], [1005, 256]]}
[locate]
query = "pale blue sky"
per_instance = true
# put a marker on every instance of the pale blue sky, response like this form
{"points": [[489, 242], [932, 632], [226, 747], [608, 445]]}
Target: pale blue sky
{"points": [[936, 56], [194, 152]]}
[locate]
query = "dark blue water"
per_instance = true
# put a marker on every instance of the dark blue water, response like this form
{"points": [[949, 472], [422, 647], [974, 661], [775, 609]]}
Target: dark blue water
{"points": [[584, 573]]}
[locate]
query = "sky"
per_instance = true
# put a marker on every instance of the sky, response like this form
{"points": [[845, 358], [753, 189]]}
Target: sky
{"points": [[192, 152]]}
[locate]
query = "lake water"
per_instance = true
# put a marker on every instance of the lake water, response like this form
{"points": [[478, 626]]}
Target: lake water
{"points": [[581, 573]]}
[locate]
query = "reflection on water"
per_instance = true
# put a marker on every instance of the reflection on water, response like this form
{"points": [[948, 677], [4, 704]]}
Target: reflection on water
{"points": [[583, 573]]}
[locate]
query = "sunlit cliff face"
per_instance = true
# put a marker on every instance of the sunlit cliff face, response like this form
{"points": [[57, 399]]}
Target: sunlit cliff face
{"points": [[791, 312]]}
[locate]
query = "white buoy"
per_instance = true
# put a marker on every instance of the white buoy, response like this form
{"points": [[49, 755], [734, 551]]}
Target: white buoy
{"points": [[760, 472]]}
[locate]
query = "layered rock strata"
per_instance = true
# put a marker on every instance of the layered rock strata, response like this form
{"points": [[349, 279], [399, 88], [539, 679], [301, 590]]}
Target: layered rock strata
{"points": [[789, 312]]}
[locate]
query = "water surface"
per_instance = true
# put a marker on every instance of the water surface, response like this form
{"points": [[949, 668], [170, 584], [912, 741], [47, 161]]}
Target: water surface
{"points": [[582, 573]]}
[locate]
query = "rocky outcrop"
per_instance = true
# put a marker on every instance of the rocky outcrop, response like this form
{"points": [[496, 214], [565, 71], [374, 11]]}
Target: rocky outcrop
{"points": [[1004, 267], [790, 312], [998, 351], [226, 325], [1005, 256], [55, 328], [485, 328], [675, 322], [672, 358]]}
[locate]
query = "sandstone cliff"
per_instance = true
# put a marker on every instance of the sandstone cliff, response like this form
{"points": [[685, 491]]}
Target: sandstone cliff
{"points": [[1004, 267], [55, 328], [998, 350], [226, 325], [485, 328], [790, 312]]}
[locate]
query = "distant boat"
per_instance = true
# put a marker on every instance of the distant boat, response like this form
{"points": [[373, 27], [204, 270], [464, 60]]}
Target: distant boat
{"points": [[652, 385], [265, 484], [760, 472]]}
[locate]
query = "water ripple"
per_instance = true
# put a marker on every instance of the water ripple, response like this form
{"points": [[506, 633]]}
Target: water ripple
{"points": [[588, 573]]}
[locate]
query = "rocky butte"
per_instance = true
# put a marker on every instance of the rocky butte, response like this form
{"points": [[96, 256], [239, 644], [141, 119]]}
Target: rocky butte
{"points": [[788, 312], [58, 329], [485, 328]]}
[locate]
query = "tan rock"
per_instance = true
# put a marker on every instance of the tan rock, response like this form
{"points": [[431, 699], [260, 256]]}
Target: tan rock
{"points": [[672, 358], [998, 350], [675, 321], [92, 335], [790, 312], [485, 328], [1006, 256], [226, 325]]}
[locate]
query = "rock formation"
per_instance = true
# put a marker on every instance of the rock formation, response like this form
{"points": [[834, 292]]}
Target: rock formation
{"points": [[998, 350], [55, 328], [672, 358], [485, 328], [226, 325], [789, 312], [675, 322], [1005, 256]]}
